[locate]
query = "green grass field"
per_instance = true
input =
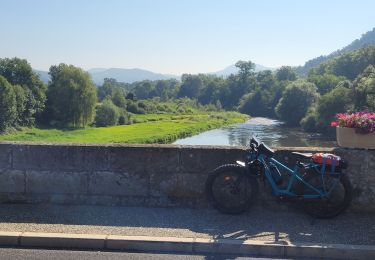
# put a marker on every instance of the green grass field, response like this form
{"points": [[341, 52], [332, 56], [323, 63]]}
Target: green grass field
{"points": [[149, 128]]}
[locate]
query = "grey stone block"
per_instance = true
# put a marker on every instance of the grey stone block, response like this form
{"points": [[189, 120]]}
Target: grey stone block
{"points": [[12, 181], [5, 155], [48, 157], [163, 184], [144, 159], [118, 183], [96, 158], [204, 160], [54, 182]]}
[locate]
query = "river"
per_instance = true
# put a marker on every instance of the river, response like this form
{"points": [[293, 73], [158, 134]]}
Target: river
{"points": [[270, 131]]}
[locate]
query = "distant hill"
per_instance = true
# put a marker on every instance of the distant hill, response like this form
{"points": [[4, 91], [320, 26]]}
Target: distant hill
{"points": [[366, 39], [232, 69], [125, 75], [121, 75]]}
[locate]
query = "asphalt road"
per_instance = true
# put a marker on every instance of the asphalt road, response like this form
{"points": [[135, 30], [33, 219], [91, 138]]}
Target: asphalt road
{"points": [[36, 254]]}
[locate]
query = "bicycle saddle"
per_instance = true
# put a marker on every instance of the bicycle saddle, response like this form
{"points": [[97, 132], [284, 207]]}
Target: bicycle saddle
{"points": [[303, 155]]}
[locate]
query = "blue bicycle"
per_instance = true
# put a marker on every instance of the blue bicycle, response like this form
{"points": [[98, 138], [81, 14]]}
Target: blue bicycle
{"points": [[324, 190]]}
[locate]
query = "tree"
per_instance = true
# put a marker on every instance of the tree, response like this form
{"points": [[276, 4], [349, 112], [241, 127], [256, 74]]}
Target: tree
{"points": [[296, 99], [71, 96], [191, 86], [107, 114], [364, 89], [246, 69], [254, 104], [326, 82], [8, 106], [19, 72], [336, 101], [118, 98], [286, 73]]}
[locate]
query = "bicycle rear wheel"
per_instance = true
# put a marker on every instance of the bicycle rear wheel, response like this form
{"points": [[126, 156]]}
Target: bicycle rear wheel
{"points": [[230, 190], [338, 200]]}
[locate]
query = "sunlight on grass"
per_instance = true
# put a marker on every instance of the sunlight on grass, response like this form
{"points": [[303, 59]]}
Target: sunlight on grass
{"points": [[149, 128]]}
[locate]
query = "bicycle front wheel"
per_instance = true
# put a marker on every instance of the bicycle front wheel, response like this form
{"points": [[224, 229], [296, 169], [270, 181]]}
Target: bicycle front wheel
{"points": [[230, 190]]}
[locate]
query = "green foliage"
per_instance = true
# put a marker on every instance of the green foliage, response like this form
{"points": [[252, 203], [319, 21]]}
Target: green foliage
{"points": [[113, 89], [296, 99], [364, 89], [153, 128], [326, 82], [71, 96], [19, 72], [8, 105], [286, 73], [191, 86], [246, 69], [366, 39], [308, 123], [336, 101], [107, 114], [254, 104], [349, 65]]}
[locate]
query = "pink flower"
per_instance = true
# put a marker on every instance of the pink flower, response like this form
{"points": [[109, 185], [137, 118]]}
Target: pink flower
{"points": [[334, 123], [363, 122]]}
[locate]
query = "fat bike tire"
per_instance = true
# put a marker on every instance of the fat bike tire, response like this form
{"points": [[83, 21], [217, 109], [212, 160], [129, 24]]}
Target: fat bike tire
{"points": [[338, 201], [230, 190]]}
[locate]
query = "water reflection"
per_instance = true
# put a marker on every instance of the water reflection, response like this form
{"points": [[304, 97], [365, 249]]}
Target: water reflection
{"points": [[270, 131]]}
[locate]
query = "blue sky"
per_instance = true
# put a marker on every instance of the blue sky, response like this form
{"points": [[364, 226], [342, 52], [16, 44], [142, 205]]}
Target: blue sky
{"points": [[178, 36]]}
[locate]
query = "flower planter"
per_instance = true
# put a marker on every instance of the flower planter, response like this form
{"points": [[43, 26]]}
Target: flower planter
{"points": [[347, 137]]}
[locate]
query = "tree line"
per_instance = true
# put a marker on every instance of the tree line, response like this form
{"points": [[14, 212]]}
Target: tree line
{"points": [[345, 83]]}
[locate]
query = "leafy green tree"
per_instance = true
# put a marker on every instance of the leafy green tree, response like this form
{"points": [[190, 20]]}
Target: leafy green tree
{"points": [[336, 101], [364, 89], [19, 72], [71, 96], [296, 99], [8, 105], [246, 69], [107, 114], [191, 86], [308, 123], [21, 102], [286, 73], [326, 82], [254, 104], [349, 65], [144, 89], [118, 98]]}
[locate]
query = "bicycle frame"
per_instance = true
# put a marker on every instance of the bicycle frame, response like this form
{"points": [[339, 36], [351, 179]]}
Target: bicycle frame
{"points": [[293, 177]]}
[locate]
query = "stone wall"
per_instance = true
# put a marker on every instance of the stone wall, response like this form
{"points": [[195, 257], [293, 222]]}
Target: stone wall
{"points": [[141, 175]]}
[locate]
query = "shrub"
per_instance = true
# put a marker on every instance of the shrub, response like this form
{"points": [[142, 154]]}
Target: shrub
{"points": [[107, 114]]}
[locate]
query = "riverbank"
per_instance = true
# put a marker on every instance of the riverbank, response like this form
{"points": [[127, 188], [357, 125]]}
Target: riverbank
{"points": [[149, 128]]}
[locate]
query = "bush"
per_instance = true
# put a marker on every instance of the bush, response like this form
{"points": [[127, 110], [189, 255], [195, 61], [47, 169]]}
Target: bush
{"points": [[132, 107], [295, 101], [107, 114], [8, 105], [124, 118], [308, 123]]}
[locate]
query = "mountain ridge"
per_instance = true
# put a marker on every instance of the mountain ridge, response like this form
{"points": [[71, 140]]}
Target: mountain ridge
{"points": [[365, 40]]}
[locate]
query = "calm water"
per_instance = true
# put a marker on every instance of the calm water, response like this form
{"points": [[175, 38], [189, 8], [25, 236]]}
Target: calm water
{"points": [[271, 132]]}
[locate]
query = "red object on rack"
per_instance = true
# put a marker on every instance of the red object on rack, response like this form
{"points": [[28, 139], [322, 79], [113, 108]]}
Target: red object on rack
{"points": [[327, 158]]}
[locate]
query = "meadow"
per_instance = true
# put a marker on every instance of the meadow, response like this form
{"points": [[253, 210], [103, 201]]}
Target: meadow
{"points": [[147, 128]]}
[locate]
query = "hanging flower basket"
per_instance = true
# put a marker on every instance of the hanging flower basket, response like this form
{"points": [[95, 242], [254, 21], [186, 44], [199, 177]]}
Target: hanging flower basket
{"points": [[356, 130]]}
